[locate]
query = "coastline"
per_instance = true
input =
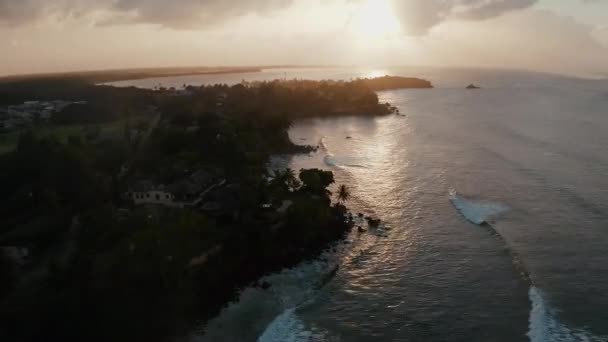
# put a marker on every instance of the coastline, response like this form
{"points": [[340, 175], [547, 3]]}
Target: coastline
{"points": [[228, 250], [117, 75]]}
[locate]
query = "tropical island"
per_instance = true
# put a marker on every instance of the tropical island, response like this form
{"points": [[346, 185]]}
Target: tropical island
{"points": [[131, 214]]}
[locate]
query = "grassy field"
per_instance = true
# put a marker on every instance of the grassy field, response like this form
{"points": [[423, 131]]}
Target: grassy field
{"points": [[8, 141]]}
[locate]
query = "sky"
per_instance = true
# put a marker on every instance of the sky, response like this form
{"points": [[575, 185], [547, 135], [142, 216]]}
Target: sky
{"points": [[559, 36]]}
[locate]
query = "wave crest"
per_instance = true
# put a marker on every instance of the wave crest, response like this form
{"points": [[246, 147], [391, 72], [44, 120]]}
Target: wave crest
{"points": [[545, 327], [477, 212]]}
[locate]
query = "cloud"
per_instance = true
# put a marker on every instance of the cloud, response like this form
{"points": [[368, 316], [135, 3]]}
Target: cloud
{"points": [[174, 14], [193, 13], [18, 12], [536, 39], [419, 16]]}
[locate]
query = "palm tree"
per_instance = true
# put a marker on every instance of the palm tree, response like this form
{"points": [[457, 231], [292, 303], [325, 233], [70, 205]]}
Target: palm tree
{"points": [[343, 194], [292, 181], [286, 179]]}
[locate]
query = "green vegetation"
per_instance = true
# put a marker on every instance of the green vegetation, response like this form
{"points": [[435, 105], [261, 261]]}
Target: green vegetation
{"points": [[343, 194], [102, 269], [394, 82], [113, 130], [8, 142]]}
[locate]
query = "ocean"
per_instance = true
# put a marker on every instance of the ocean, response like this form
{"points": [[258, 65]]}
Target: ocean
{"points": [[495, 215]]}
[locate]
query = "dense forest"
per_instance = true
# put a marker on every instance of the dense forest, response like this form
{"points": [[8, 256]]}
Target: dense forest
{"points": [[98, 267]]}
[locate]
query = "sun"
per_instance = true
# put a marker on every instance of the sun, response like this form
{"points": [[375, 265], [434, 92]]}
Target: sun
{"points": [[374, 19]]}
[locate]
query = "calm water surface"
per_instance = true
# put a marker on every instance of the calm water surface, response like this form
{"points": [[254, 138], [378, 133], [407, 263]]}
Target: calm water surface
{"points": [[528, 153]]}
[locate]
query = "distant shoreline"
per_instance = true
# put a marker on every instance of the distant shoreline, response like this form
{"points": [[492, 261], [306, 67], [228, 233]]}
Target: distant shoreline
{"points": [[107, 76], [118, 75]]}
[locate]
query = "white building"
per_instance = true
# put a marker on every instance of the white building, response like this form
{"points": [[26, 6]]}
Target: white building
{"points": [[153, 197], [146, 193], [187, 192]]}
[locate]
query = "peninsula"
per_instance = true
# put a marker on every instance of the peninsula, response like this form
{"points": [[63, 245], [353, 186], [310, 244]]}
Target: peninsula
{"points": [[124, 203]]}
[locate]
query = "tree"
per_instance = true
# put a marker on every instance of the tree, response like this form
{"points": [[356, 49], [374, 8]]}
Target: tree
{"points": [[290, 179], [316, 181], [343, 194], [285, 180]]}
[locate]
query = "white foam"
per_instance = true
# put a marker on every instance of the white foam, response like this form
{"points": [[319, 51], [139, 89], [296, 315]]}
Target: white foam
{"points": [[545, 327], [288, 327], [478, 212], [323, 144], [271, 313], [332, 161]]}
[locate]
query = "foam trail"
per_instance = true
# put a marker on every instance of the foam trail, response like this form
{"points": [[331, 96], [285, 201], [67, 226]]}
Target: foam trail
{"points": [[271, 314], [287, 327], [332, 161], [323, 145], [545, 327]]}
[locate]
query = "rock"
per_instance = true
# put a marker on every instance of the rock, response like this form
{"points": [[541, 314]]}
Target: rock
{"points": [[349, 137], [472, 86], [360, 214], [374, 222], [361, 229]]}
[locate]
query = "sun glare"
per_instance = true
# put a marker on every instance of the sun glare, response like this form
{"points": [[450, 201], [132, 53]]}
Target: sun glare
{"points": [[375, 19]]}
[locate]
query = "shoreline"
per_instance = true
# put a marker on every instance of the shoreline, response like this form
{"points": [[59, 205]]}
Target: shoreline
{"points": [[259, 224], [108, 76], [130, 74]]}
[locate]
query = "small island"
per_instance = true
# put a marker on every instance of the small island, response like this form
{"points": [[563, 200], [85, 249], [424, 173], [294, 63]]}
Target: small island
{"points": [[473, 86], [158, 204]]}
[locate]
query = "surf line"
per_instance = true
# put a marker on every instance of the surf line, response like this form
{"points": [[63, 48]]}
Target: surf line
{"points": [[481, 214], [544, 325]]}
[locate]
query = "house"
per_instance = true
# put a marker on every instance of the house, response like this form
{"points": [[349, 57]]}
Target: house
{"points": [[145, 192], [187, 192], [25, 114]]}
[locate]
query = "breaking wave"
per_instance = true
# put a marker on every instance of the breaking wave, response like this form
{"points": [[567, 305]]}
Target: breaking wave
{"points": [[477, 212], [271, 313], [288, 327], [331, 160], [544, 325]]}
